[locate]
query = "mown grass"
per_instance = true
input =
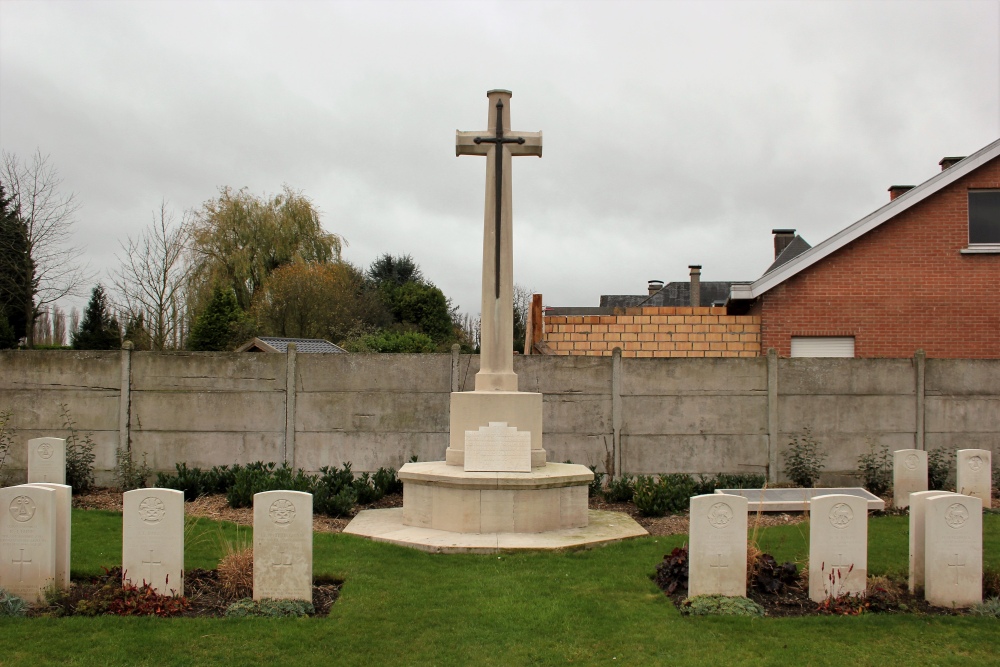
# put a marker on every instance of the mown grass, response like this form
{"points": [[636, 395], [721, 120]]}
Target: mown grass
{"points": [[400, 606]]}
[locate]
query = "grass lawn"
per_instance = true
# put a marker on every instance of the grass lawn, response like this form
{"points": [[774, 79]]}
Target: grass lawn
{"points": [[400, 606]]}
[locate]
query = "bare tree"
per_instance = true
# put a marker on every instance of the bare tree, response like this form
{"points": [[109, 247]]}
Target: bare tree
{"points": [[58, 326], [151, 278], [56, 270]]}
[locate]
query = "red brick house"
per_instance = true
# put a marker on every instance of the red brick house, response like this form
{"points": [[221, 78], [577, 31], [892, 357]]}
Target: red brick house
{"points": [[922, 272]]}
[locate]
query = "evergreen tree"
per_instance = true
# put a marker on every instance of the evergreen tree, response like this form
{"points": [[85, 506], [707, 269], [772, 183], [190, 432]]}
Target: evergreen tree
{"points": [[220, 325], [99, 329], [17, 271]]}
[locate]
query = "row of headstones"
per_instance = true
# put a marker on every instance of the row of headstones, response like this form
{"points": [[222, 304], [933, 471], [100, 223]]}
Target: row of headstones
{"points": [[35, 541], [973, 474], [946, 547]]}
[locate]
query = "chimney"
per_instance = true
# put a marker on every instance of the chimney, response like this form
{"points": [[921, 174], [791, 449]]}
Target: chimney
{"points": [[896, 190], [782, 237], [949, 161], [654, 286], [695, 285]]}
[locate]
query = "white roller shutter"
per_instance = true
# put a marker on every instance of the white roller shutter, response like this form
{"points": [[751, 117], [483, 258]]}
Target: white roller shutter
{"points": [[822, 346]]}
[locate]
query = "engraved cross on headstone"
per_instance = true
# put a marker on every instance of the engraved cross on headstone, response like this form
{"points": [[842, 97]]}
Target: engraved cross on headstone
{"points": [[718, 566], [958, 562], [499, 143], [286, 560], [842, 564], [149, 567], [20, 562]]}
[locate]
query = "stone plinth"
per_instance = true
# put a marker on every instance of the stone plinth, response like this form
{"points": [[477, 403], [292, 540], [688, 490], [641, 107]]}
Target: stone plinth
{"points": [[445, 497], [472, 409]]}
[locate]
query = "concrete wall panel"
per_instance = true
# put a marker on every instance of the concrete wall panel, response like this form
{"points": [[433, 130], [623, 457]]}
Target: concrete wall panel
{"points": [[205, 449], [207, 371], [60, 369], [963, 377], [654, 415], [963, 414], [372, 411], [37, 409], [373, 372], [848, 414], [654, 454], [579, 414], [657, 377], [564, 375], [367, 451], [846, 376], [208, 411]]}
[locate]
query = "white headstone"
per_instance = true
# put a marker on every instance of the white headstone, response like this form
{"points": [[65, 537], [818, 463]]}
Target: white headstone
{"points": [[838, 546], [909, 475], [282, 545], [64, 526], [47, 460], [717, 553], [497, 448], [974, 474], [917, 501], [953, 550], [153, 539], [27, 541]]}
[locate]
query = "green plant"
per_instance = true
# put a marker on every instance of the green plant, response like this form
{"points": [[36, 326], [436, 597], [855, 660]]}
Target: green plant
{"points": [[672, 571], [118, 598], [387, 482], [7, 433], [596, 484], [720, 605], [268, 608], [940, 461], [620, 489], [988, 607], [130, 475], [79, 454], [387, 341], [728, 481], [769, 577], [335, 491], [875, 468], [804, 459], [11, 606]]}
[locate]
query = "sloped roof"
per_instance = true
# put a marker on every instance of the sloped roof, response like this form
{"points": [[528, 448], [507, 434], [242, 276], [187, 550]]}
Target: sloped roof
{"points": [[280, 345], [792, 250], [781, 273], [676, 294]]}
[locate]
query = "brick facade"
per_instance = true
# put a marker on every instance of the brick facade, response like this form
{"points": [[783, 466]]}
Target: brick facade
{"points": [[901, 287], [656, 332]]}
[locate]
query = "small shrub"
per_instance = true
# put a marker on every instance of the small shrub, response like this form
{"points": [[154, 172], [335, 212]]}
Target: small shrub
{"points": [[672, 571], [335, 492], [7, 433], [650, 496], [597, 484], [188, 480], [366, 490], [769, 577], [258, 477], [989, 607], [117, 598], [728, 481], [939, 464], [386, 481], [130, 475], [79, 454], [720, 605], [268, 608], [236, 573], [875, 468], [991, 582], [620, 490], [804, 459], [11, 606]]}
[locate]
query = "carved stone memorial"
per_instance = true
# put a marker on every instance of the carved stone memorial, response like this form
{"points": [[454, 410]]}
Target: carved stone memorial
{"points": [[153, 539], [973, 474], [64, 525], [953, 550], [282, 545], [717, 554], [27, 541], [909, 475], [838, 546], [47, 460], [497, 448]]}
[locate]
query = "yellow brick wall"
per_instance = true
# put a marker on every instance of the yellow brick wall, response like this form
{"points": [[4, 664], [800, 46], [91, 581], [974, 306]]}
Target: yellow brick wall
{"points": [[656, 332]]}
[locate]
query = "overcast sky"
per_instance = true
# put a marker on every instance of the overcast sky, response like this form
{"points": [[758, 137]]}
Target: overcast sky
{"points": [[675, 133]]}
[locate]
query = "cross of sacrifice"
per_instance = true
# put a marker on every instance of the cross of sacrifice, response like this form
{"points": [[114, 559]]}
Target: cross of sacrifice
{"points": [[718, 566], [959, 562], [498, 142], [149, 567], [20, 562]]}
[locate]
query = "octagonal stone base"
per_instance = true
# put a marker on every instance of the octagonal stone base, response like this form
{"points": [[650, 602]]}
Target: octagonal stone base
{"points": [[446, 497]]}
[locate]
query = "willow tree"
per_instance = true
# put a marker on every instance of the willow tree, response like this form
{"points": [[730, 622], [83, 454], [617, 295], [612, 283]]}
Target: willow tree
{"points": [[238, 239]]}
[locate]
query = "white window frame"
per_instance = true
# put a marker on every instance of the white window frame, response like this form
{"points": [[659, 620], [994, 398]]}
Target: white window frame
{"points": [[823, 346]]}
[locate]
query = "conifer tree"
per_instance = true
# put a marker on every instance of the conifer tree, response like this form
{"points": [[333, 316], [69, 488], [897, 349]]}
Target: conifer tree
{"points": [[99, 329], [219, 325]]}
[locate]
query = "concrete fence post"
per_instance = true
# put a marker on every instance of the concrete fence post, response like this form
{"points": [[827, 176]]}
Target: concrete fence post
{"points": [[772, 416], [125, 404], [920, 357], [616, 409], [288, 456]]}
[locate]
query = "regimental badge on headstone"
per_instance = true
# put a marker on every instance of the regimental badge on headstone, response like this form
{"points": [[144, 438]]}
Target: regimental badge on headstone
{"points": [[497, 448]]}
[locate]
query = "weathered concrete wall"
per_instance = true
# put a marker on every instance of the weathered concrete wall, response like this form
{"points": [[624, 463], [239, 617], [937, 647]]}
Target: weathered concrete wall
{"points": [[671, 415]]}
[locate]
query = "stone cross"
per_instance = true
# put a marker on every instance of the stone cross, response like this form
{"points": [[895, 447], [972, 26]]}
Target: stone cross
{"points": [[499, 143], [149, 567], [20, 562]]}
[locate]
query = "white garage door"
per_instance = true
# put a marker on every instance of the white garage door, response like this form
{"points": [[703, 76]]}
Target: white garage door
{"points": [[822, 346]]}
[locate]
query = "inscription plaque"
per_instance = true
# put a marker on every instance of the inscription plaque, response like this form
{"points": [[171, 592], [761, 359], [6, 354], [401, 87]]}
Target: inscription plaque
{"points": [[497, 448]]}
